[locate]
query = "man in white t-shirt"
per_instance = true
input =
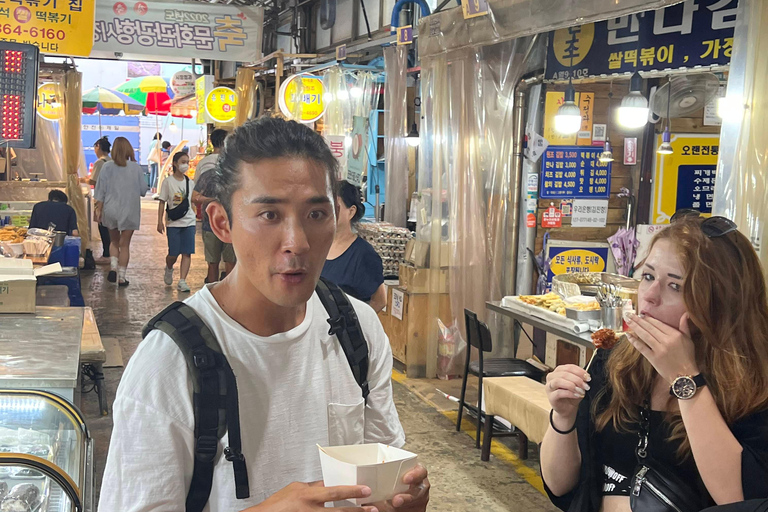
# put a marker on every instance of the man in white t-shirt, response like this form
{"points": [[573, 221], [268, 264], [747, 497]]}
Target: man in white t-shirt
{"points": [[275, 204], [175, 190]]}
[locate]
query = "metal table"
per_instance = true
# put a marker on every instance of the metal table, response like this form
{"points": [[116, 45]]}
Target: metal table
{"points": [[583, 339], [42, 351]]}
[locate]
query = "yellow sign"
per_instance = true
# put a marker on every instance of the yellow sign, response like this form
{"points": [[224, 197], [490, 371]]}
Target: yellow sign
{"points": [[577, 260], [63, 27], [686, 178], [221, 105], [586, 103], [202, 86], [572, 44], [48, 102], [302, 101]]}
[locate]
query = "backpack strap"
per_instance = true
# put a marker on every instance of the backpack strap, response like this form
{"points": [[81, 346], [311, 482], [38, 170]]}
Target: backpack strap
{"points": [[215, 400], [345, 325]]}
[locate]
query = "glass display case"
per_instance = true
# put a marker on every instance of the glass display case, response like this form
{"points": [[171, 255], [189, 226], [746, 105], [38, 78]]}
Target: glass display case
{"points": [[46, 455]]}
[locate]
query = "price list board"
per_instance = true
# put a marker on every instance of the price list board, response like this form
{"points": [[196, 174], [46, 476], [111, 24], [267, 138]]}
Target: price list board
{"points": [[574, 172]]}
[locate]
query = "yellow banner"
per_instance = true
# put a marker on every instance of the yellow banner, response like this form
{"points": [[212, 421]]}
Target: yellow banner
{"points": [[49, 102], [60, 27], [686, 178], [586, 103], [311, 99]]}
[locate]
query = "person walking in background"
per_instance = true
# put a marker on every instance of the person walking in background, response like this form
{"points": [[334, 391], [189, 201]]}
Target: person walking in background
{"points": [[209, 162], [101, 147], [119, 188], [352, 263], [55, 211], [154, 160], [215, 249], [176, 213]]}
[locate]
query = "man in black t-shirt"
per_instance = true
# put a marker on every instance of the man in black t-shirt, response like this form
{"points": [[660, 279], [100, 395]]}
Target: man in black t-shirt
{"points": [[55, 211]]}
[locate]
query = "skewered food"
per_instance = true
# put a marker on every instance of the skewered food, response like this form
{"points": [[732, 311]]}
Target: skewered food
{"points": [[605, 339]]}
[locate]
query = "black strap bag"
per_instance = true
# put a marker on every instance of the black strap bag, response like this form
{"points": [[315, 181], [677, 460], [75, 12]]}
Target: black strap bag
{"points": [[654, 487], [181, 210]]}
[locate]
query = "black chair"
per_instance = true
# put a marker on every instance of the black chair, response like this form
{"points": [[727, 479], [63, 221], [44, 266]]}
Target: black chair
{"points": [[479, 336]]}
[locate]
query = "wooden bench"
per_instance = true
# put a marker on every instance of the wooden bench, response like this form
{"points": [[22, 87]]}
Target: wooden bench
{"points": [[93, 356], [521, 401]]}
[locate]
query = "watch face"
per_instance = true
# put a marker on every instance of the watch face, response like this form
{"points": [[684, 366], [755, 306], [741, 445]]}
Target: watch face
{"points": [[684, 388]]}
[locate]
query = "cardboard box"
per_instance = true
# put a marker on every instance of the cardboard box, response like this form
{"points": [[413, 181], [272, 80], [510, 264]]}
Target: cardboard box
{"points": [[17, 286], [417, 280], [419, 253], [377, 466]]}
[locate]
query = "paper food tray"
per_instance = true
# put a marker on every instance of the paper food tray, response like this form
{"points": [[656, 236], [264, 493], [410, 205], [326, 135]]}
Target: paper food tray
{"points": [[514, 302], [377, 466]]}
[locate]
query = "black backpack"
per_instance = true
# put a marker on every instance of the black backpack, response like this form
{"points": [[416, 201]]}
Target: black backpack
{"points": [[215, 388]]}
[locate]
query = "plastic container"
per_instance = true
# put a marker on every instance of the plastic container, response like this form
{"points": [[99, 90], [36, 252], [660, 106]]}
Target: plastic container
{"points": [[71, 251]]}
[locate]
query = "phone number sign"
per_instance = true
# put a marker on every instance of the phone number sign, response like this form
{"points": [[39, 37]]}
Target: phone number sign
{"points": [[574, 172], [62, 27]]}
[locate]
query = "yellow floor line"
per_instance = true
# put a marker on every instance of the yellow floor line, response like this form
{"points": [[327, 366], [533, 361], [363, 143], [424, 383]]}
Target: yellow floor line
{"points": [[499, 450]]}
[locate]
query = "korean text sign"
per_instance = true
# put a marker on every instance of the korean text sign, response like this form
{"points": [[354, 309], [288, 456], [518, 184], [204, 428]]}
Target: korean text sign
{"points": [[574, 172], [567, 260], [686, 178], [685, 35], [181, 30], [62, 27]]}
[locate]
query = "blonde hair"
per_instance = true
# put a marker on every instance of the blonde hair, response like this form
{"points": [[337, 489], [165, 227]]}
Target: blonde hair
{"points": [[122, 152], [725, 296]]}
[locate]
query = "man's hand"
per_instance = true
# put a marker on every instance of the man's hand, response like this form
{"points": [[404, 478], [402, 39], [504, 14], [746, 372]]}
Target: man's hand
{"points": [[417, 497], [160, 228], [301, 497]]}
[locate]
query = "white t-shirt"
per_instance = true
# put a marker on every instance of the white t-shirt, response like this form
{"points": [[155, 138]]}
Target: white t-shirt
{"points": [[206, 164], [296, 390], [173, 192]]}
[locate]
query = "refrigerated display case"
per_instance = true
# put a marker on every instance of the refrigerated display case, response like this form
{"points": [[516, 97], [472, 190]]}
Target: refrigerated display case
{"points": [[46, 454]]}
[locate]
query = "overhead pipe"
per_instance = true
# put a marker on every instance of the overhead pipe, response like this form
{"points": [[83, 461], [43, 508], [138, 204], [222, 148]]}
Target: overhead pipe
{"points": [[395, 22]]}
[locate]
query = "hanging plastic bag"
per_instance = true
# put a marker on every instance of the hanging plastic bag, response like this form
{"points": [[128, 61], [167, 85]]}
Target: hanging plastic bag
{"points": [[450, 351]]}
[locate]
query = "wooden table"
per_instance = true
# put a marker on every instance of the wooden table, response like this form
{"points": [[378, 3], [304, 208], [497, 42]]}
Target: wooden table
{"points": [[93, 356]]}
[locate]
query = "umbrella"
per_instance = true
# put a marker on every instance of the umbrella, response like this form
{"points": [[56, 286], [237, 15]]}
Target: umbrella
{"points": [[152, 91], [109, 102]]}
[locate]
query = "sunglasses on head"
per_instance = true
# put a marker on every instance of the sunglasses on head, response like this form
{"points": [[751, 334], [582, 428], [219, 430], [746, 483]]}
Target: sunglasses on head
{"points": [[713, 227]]}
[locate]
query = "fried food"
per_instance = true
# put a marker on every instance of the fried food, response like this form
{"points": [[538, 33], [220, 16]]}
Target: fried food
{"points": [[604, 338], [551, 301]]}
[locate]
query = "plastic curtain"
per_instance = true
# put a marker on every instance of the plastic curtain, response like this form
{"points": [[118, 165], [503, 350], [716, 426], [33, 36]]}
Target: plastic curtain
{"points": [[245, 87], [337, 119], [46, 158], [73, 149], [741, 190], [396, 131], [467, 174]]}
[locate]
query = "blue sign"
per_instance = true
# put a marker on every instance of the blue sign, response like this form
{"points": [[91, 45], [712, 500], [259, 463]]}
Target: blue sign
{"points": [[696, 187], [576, 258], [692, 33], [112, 127], [574, 172]]}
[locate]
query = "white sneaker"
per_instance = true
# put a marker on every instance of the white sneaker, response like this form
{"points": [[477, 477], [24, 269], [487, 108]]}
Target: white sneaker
{"points": [[182, 286], [168, 276]]}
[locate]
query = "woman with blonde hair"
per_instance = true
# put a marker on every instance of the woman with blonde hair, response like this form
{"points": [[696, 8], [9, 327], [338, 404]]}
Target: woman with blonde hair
{"points": [[119, 189], [674, 418]]}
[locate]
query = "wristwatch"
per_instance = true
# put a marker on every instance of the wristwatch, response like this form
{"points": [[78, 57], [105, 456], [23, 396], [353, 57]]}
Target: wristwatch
{"points": [[685, 386]]}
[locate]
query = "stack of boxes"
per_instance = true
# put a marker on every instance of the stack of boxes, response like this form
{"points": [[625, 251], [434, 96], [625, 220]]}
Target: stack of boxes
{"points": [[414, 272]]}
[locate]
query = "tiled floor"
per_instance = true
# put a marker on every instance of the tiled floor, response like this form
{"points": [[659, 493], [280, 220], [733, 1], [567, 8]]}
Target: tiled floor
{"points": [[461, 482]]}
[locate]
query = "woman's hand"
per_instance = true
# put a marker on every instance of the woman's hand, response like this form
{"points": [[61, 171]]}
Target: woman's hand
{"points": [[566, 387], [97, 214], [669, 350]]}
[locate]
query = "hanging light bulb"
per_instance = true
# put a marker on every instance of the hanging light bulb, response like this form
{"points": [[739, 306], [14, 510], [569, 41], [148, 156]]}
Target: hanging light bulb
{"points": [[607, 154], [568, 118], [633, 112], [173, 128], [413, 136], [665, 148], [356, 92]]}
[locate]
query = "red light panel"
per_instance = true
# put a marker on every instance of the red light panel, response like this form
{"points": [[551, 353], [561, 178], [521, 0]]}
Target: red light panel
{"points": [[12, 119], [14, 61]]}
